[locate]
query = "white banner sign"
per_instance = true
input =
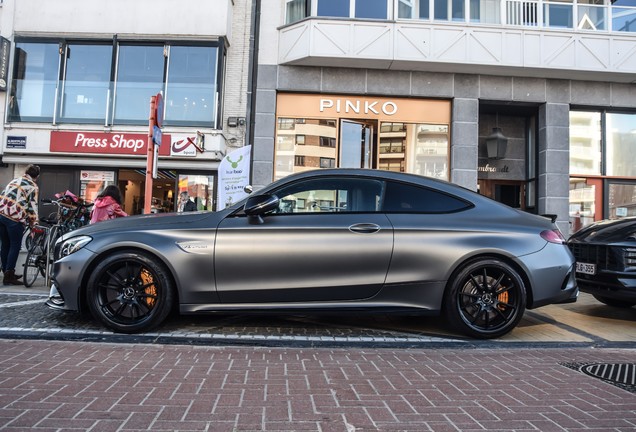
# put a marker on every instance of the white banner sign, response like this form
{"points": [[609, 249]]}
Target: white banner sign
{"points": [[234, 175]]}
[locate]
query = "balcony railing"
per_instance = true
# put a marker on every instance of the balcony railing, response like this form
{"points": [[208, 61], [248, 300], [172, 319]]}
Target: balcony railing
{"points": [[517, 13]]}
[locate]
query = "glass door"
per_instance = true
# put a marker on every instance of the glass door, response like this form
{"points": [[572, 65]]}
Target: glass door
{"points": [[356, 141]]}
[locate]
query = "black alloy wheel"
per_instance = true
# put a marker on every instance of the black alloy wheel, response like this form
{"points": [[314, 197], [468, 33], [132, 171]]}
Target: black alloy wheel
{"points": [[486, 299], [130, 292]]}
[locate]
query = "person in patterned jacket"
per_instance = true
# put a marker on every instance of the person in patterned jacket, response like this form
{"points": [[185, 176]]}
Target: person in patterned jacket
{"points": [[18, 208]]}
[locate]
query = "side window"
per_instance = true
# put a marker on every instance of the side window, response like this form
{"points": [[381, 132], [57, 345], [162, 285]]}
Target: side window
{"points": [[406, 198], [330, 195]]}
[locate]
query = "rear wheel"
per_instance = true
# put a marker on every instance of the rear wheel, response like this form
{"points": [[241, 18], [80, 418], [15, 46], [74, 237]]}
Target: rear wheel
{"points": [[485, 299], [613, 302], [130, 292]]}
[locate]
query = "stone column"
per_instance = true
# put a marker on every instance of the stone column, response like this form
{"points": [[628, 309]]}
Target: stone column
{"points": [[464, 141], [554, 162]]}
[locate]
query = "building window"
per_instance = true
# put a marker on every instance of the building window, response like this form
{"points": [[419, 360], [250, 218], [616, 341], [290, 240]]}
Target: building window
{"points": [[85, 83], [602, 172], [191, 89], [139, 75], [299, 161], [300, 139], [373, 9], [327, 162], [327, 141], [62, 81], [35, 76]]}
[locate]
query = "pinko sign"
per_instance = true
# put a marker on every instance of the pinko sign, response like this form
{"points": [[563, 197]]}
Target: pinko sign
{"points": [[103, 143]]}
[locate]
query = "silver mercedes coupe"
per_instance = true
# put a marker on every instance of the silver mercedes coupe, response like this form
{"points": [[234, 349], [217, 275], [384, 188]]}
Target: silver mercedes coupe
{"points": [[336, 240]]}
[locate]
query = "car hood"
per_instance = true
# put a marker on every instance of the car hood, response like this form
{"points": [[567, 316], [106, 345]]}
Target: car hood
{"points": [[607, 231], [152, 222]]}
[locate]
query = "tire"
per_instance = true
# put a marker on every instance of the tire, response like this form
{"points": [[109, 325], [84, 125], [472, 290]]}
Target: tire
{"points": [[130, 292], [485, 311], [33, 265], [613, 302]]}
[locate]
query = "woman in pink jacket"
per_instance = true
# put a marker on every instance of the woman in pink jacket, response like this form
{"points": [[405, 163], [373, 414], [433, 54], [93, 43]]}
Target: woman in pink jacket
{"points": [[107, 205]]}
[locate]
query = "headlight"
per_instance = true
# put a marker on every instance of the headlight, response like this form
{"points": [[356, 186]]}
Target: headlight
{"points": [[71, 245]]}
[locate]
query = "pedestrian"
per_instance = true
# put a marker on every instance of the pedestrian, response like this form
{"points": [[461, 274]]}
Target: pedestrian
{"points": [[107, 205], [18, 209], [185, 203]]}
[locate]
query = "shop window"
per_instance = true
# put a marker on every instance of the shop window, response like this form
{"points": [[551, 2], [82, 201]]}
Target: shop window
{"points": [[603, 177], [621, 199], [35, 74], [621, 145], [585, 142], [139, 76], [200, 188]]}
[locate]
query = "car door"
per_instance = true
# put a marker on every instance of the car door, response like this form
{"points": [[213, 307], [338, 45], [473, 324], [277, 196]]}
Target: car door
{"points": [[327, 241]]}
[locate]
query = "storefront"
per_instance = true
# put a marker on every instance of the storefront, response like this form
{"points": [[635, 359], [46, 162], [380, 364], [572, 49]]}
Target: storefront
{"points": [[85, 162], [395, 134]]}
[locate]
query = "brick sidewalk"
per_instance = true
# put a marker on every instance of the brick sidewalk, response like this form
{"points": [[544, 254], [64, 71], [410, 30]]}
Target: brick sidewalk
{"points": [[48, 385]]}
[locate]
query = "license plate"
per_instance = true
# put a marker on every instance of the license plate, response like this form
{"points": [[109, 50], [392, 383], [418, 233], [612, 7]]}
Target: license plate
{"points": [[585, 268]]}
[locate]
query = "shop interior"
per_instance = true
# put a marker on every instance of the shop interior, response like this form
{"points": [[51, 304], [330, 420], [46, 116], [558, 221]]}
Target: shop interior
{"points": [[131, 182]]}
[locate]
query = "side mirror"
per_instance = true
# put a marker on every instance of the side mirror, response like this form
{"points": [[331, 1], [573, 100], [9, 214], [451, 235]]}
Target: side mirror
{"points": [[258, 205]]}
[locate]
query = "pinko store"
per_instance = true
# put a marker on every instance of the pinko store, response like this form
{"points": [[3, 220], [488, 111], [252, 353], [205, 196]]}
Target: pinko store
{"points": [[395, 134]]}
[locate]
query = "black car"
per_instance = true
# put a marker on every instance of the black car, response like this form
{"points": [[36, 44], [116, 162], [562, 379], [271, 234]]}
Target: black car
{"points": [[605, 255]]}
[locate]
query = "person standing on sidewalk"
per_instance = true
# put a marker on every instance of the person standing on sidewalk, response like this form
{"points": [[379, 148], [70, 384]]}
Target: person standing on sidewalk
{"points": [[18, 208], [107, 205]]}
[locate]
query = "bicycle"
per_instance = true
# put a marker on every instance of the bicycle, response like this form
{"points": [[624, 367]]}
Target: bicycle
{"points": [[69, 216]]}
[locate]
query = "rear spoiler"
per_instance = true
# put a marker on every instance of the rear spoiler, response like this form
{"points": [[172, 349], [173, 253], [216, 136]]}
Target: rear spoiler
{"points": [[552, 217]]}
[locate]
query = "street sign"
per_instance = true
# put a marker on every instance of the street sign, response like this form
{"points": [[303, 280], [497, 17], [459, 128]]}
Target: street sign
{"points": [[156, 136]]}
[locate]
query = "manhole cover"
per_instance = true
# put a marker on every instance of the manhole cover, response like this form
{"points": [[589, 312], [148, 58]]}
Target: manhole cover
{"points": [[622, 375]]}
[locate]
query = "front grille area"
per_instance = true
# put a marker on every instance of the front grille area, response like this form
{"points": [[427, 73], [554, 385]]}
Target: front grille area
{"points": [[605, 257]]}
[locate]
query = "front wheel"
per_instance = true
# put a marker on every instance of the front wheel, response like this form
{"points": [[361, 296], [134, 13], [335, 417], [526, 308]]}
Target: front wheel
{"points": [[485, 299], [130, 292], [33, 265]]}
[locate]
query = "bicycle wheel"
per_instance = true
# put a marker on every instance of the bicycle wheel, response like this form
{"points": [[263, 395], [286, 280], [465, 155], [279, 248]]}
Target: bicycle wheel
{"points": [[34, 265]]}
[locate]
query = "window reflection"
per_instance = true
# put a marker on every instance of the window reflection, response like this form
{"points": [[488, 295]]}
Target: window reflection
{"points": [[621, 145], [35, 76], [331, 196], [139, 77], [585, 142], [191, 89], [622, 200], [582, 204], [86, 83], [418, 148]]}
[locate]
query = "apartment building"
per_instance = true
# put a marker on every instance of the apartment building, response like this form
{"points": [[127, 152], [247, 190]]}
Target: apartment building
{"points": [[530, 102], [79, 77]]}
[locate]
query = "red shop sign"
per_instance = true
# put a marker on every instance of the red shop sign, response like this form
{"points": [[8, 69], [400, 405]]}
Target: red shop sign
{"points": [[104, 143]]}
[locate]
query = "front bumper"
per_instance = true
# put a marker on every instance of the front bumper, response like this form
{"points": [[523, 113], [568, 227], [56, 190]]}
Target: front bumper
{"points": [[616, 285], [66, 280]]}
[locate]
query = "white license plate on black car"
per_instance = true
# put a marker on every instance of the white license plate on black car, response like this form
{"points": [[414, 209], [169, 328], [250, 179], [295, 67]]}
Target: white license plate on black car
{"points": [[585, 268]]}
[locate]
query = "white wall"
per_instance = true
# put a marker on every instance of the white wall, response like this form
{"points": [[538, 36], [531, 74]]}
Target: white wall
{"points": [[145, 17]]}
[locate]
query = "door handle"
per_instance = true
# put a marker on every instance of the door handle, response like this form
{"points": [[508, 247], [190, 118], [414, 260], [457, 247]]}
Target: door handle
{"points": [[364, 228]]}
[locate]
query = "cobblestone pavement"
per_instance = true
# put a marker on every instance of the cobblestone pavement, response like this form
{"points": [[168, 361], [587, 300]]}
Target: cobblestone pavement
{"points": [[61, 385]]}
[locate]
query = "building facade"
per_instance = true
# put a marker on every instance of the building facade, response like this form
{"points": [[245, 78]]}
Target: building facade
{"points": [[530, 102], [79, 80]]}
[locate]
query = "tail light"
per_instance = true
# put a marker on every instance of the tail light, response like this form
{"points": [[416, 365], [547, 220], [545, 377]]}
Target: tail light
{"points": [[553, 236]]}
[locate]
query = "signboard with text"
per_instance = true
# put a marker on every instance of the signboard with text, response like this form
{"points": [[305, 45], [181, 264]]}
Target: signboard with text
{"points": [[123, 144]]}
